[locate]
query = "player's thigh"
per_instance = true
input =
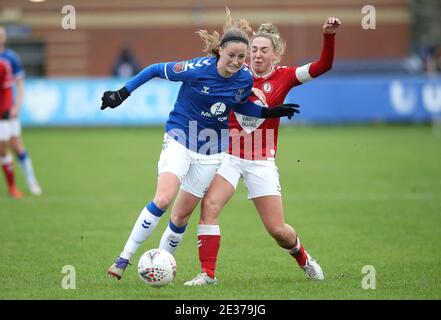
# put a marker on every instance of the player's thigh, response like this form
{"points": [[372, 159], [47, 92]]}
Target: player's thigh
{"points": [[173, 165], [3, 149], [261, 178], [166, 189], [183, 207], [221, 189], [16, 140], [16, 144], [198, 178], [5, 131], [174, 158], [218, 194], [230, 170], [15, 128]]}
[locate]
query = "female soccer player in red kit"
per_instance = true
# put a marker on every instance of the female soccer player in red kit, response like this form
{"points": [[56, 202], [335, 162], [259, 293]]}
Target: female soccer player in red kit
{"points": [[16, 140], [6, 103], [253, 145]]}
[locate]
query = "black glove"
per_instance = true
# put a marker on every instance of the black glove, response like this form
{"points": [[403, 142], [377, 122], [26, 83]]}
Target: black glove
{"points": [[112, 99], [4, 115], [282, 110]]}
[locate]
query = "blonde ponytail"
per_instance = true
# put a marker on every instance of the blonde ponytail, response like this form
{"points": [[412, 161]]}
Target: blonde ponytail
{"points": [[231, 29]]}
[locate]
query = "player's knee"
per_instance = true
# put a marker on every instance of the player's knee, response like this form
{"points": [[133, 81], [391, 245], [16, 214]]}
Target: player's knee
{"points": [[163, 200], [15, 145], [179, 220], [278, 233], [3, 149], [210, 210]]}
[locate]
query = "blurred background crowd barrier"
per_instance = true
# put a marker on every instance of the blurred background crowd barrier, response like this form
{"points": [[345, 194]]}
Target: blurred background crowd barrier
{"points": [[388, 73], [75, 102]]}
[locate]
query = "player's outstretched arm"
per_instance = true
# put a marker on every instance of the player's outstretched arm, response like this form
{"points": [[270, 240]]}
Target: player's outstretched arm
{"points": [[112, 99], [282, 110], [323, 65], [312, 70]]}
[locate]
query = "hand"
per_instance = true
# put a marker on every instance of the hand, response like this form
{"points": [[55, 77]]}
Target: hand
{"points": [[282, 110], [113, 99], [260, 95], [331, 25]]}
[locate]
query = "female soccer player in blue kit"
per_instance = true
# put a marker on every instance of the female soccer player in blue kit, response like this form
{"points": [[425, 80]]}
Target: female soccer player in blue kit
{"points": [[197, 129]]}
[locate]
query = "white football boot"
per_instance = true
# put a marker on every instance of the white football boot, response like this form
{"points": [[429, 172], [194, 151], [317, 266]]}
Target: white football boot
{"points": [[312, 269], [118, 267], [202, 279], [35, 188]]}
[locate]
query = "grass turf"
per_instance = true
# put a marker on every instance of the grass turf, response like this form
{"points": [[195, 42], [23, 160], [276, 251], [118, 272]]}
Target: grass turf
{"points": [[357, 195]]}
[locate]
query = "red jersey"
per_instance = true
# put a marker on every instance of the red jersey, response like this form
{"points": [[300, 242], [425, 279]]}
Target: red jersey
{"points": [[256, 139], [6, 84]]}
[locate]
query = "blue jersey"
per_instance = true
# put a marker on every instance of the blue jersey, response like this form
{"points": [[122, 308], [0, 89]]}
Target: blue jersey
{"points": [[199, 119], [14, 61]]}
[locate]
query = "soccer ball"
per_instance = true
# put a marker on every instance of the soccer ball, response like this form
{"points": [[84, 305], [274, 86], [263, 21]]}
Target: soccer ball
{"points": [[157, 267]]}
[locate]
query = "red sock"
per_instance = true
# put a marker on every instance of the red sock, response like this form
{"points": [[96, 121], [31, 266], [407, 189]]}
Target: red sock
{"points": [[208, 249], [8, 171], [298, 252]]}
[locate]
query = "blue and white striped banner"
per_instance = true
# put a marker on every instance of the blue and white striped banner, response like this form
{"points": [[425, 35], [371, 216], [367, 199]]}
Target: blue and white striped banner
{"points": [[77, 101]]}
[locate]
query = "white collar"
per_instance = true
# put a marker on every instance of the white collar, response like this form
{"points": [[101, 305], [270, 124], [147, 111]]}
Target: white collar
{"points": [[263, 76]]}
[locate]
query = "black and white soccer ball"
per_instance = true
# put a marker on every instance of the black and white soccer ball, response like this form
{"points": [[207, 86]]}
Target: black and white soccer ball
{"points": [[157, 267]]}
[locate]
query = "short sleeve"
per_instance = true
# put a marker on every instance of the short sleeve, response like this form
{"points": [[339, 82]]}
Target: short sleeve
{"points": [[16, 65]]}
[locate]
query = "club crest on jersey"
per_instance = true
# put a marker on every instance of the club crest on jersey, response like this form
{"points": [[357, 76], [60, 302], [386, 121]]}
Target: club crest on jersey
{"points": [[239, 94], [267, 87], [180, 67]]}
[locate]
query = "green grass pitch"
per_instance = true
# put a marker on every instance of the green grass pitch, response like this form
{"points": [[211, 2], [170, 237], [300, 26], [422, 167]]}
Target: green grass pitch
{"points": [[357, 195]]}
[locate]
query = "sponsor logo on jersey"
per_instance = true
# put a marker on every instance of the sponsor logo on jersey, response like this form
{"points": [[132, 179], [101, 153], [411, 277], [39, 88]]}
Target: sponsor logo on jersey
{"points": [[205, 90], [180, 67], [218, 108], [215, 110]]}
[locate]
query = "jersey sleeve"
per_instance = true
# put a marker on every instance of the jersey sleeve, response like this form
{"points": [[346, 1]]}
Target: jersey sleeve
{"points": [[312, 70], [183, 70], [173, 71], [249, 109], [145, 75], [16, 65]]}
